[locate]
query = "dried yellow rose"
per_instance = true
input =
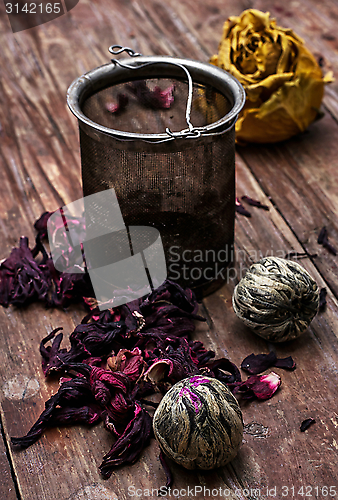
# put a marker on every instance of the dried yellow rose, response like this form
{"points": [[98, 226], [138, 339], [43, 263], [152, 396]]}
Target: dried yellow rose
{"points": [[283, 81]]}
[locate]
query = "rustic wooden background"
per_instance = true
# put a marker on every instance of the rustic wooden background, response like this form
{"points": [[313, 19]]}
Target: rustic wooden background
{"points": [[298, 179]]}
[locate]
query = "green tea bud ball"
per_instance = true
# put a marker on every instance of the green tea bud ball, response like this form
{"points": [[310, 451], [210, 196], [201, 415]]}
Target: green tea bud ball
{"points": [[198, 423], [277, 299]]}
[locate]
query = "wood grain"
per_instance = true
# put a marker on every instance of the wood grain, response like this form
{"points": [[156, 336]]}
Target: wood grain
{"points": [[7, 485]]}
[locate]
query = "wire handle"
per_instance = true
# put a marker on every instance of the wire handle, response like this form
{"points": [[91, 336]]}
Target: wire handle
{"points": [[118, 49], [191, 132]]}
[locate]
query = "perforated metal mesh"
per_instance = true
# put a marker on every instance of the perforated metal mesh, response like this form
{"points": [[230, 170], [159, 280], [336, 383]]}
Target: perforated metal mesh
{"points": [[183, 187]]}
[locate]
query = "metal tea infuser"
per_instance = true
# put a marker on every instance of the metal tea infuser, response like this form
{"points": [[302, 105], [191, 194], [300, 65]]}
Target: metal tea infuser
{"points": [[171, 169]]}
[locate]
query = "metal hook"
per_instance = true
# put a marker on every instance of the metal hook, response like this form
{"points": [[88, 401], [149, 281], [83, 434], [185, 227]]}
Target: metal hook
{"points": [[120, 49]]}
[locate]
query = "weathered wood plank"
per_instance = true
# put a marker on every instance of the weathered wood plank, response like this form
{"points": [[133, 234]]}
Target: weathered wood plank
{"points": [[301, 178], [7, 486], [299, 459]]}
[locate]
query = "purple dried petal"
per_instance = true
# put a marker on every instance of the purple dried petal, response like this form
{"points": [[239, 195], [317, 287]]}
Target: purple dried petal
{"points": [[103, 381], [306, 424], [97, 338], [166, 469], [259, 386], [83, 415], [322, 236], [240, 209], [329, 247], [54, 359], [72, 393], [285, 363], [170, 294], [323, 240], [225, 371], [41, 225], [68, 287], [131, 363], [119, 106], [172, 365], [130, 444], [119, 411], [322, 299], [254, 203], [51, 355], [199, 353], [258, 363], [22, 280]]}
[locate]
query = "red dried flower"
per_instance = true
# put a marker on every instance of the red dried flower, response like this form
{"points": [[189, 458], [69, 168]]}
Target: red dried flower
{"points": [[157, 98], [259, 386]]}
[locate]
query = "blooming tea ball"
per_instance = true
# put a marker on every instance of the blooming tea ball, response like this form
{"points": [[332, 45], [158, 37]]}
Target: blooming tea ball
{"points": [[198, 423], [276, 298]]}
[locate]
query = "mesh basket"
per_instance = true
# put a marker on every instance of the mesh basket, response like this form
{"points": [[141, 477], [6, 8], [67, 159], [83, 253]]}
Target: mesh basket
{"points": [[160, 131]]}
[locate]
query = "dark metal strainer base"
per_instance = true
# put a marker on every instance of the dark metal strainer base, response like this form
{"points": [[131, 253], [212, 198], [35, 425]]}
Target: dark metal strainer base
{"points": [[189, 196]]}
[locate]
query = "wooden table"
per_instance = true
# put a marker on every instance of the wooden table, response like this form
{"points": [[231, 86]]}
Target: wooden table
{"points": [[298, 179]]}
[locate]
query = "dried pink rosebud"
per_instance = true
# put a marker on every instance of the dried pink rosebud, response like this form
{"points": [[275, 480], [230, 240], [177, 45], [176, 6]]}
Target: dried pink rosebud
{"points": [[259, 386], [119, 106], [164, 98], [156, 99]]}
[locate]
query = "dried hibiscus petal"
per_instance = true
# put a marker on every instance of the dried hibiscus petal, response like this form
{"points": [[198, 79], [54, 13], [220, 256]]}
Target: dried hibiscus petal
{"points": [[322, 299], [258, 363], [130, 444], [173, 364], [53, 358], [324, 240], [240, 209], [306, 424], [131, 363], [254, 203], [22, 279], [225, 371], [285, 363], [164, 98], [322, 236], [41, 225], [200, 353], [73, 395], [166, 469]]}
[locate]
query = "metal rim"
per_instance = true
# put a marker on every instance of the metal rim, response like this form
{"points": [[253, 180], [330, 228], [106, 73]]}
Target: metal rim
{"points": [[164, 67]]}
